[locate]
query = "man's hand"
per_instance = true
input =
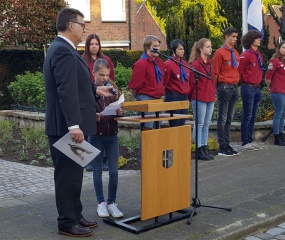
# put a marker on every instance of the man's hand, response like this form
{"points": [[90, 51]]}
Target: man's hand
{"points": [[104, 91], [98, 117], [77, 135]]}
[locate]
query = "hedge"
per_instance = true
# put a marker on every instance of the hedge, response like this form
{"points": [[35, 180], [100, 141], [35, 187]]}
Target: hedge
{"points": [[15, 62]]}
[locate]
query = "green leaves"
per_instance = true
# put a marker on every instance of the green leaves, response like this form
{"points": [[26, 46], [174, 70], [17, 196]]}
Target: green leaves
{"points": [[29, 22], [28, 89]]}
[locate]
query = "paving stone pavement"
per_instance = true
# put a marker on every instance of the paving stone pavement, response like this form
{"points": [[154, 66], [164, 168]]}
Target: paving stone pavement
{"points": [[277, 232], [19, 180], [252, 184]]}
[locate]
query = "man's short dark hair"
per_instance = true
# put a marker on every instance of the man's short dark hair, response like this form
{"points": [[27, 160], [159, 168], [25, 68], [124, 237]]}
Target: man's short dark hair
{"points": [[248, 39], [65, 16], [228, 31]]}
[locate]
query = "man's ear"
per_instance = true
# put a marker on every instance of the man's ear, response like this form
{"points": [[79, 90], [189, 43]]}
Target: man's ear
{"points": [[93, 73]]}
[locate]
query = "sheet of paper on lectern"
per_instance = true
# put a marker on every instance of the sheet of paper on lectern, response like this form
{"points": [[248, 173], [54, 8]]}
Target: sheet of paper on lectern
{"points": [[113, 107], [81, 153]]}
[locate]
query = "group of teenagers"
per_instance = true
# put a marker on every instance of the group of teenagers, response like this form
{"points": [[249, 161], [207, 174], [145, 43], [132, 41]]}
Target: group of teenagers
{"points": [[226, 71], [76, 95]]}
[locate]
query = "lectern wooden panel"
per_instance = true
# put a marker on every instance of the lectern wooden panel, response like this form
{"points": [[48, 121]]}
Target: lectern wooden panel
{"points": [[165, 166], [166, 156]]}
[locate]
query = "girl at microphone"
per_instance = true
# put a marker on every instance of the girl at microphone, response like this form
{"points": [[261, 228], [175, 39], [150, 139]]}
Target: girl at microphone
{"points": [[106, 139]]}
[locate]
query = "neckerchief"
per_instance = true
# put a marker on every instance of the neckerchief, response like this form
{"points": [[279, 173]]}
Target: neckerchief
{"points": [[183, 74], [234, 61], [258, 59], [158, 73]]}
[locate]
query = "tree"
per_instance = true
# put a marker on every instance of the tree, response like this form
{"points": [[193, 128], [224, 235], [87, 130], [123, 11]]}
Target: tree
{"points": [[163, 8], [28, 22], [189, 27], [266, 3], [231, 10]]}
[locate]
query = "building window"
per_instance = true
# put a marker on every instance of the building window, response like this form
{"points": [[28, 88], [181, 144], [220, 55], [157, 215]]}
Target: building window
{"points": [[83, 6], [113, 10]]}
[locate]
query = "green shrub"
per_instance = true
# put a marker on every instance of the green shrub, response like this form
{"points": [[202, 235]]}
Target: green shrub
{"points": [[213, 145], [122, 75], [28, 89], [33, 135], [5, 132], [130, 143], [35, 142], [122, 161], [265, 110]]}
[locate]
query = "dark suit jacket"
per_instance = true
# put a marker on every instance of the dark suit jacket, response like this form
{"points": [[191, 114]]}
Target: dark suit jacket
{"points": [[69, 92]]}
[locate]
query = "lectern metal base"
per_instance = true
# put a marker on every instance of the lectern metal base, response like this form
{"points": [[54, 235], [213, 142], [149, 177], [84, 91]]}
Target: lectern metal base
{"points": [[125, 223]]}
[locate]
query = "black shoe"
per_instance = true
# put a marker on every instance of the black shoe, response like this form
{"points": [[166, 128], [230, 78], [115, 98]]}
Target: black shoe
{"points": [[88, 224], [225, 152], [75, 231], [278, 140], [201, 155], [232, 150], [205, 148], [89, 167]]}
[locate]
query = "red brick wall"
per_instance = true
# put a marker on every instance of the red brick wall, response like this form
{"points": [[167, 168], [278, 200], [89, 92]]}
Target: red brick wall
{"points": [[273, 31], [141, 25], [145, 24]]}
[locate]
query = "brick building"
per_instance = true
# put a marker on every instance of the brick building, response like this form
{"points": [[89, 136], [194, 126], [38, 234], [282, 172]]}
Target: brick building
{"points": [[274, 34], [120, 24]]}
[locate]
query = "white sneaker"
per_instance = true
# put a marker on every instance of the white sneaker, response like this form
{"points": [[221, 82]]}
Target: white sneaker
{"points": [[256, 146], [102, 210], [114, 210], [250, 146]]}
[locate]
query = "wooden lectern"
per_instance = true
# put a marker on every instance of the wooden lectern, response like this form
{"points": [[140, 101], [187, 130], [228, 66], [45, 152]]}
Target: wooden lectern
{"points": [[165, 165]]}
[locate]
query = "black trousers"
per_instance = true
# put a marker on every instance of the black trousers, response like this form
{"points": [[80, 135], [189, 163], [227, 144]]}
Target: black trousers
{"points": [[68, 177]]}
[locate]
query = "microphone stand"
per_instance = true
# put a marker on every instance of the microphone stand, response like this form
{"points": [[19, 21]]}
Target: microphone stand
{"points": [[196, 203]]}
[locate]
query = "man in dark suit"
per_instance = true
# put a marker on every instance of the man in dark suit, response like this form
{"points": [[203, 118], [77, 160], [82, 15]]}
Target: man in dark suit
{"points": [[70, 107]]}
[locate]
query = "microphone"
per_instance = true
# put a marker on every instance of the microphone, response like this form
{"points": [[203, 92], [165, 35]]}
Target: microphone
{"points": [[155, 50], [112, 90]]}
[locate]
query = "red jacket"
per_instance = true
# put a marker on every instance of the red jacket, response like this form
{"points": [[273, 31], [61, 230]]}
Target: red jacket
{"points": [[144, 79], [206, 87], [173, 79], [222, 63], [276, 72], [249, 68]]}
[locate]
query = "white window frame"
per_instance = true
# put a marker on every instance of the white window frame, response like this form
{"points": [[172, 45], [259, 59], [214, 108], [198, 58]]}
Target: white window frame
{"points": [[83, 6], [113, 10]]}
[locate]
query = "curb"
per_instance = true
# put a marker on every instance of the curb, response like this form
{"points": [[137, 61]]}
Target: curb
{"points": [[252, 228]]}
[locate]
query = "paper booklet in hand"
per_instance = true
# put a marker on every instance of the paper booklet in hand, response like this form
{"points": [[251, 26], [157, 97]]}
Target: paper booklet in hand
{"points": [[113, 107], [81, 153]]}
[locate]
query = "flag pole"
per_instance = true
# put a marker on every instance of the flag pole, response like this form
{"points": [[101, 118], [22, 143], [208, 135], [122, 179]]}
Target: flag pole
{"points": [[244, 17], [283, 19]]}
